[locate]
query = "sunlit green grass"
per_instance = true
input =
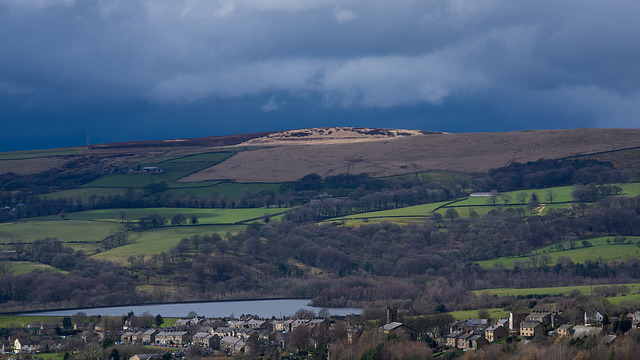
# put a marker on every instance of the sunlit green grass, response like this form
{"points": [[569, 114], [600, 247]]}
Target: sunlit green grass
{"points": [[205, 216], [418, 210], [155, 241], [564, 290], [495, 313], [49, 356], [629, 299], [84, 193], [24, 267], [599, 249], [23, 321], [66, 231]]}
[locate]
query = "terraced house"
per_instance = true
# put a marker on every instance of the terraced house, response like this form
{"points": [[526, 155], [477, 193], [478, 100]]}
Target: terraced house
{"points": [[173, 338]]}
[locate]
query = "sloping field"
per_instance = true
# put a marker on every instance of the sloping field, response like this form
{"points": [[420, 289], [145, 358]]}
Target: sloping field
{"points": [[564, 290], [423, 210], [468, 153], [69, 232], [23, 267], [155, 241], [599, 249], [205, 216]]}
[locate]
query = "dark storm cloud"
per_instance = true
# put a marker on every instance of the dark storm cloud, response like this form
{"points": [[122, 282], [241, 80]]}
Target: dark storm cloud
{"points": [[573, 60]]}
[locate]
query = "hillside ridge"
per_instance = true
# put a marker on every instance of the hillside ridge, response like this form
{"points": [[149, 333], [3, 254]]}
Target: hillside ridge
{"points": [[467, 153]]}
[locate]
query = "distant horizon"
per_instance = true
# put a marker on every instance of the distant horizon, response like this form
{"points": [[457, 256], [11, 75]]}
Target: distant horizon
{"points": [[124, 140]]}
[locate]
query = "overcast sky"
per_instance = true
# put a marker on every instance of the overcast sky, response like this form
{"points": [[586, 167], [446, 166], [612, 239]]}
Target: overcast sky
{"points": [[157, 69]]}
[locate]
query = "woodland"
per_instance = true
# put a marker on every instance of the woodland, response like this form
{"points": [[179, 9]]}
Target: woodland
{"points": [[422, 267]]}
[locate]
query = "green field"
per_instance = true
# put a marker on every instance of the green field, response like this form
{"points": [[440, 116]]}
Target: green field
{"points": [[174, 169], [205, 216], [634, 288], [563, 196], [85, 230], [68, 232], [84, 193], [599, 249], [630, 299], [496, 313], [23, 321], [49, 356], [23, 267], [417, 211], [155, 241]]}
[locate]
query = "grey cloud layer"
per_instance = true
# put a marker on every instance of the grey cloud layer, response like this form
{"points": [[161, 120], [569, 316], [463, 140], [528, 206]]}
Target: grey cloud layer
{"points": [[572, 56]]}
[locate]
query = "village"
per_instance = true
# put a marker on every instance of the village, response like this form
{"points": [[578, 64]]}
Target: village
{"points": [[299, 336]]}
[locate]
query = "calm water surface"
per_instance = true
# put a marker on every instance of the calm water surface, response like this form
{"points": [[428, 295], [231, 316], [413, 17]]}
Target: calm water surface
{"points": [[262, 308]]}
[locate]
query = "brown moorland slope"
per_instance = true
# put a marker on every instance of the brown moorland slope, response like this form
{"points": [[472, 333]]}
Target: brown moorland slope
{"points": [[389, 156]]}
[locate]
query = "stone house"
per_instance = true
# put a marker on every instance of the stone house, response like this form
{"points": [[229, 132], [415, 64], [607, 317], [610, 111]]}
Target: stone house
{"points": [[451, 339], [476, 341], [232, 345], [172, 338], [400, 330], [542, 317], [149, 336], [495, 333], [531, 329], [564, 330], [206, 340], [145, 357]]}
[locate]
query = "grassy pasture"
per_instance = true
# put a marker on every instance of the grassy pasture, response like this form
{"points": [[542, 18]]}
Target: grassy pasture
{"points": [[423, 210], [496, 313], [563, 195], [155, 241], [24, 267], [630, 189], [84, 193], [175, 168], [464, 211], [67, 231], [205, 216], [631, 299], [599, 249], [564, 290], [23, 321], [48, 356]]}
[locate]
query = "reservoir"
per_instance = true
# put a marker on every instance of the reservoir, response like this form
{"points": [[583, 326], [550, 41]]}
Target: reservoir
{"points": [[263, 308]]}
